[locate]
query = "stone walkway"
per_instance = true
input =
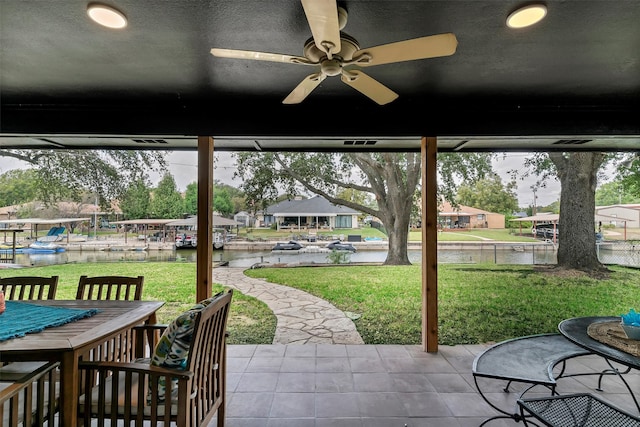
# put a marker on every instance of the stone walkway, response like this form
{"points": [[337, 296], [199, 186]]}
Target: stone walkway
{"points": [[301, 317]]}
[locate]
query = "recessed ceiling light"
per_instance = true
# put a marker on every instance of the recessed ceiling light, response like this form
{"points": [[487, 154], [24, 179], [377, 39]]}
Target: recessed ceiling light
{"points": [[106, 15], [527, 16]]}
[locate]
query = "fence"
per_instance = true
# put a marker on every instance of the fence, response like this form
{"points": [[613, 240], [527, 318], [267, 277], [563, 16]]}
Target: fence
{"points": [[621, 252], [625, 253]]}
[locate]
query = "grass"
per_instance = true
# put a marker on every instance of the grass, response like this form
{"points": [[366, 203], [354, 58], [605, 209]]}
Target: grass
{"points": [[250, 320], [269, 234], [475, 235], [476, 303]]}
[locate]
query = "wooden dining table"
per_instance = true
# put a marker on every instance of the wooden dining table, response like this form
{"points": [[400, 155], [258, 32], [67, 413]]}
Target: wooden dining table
{"points": [[68, 343]]}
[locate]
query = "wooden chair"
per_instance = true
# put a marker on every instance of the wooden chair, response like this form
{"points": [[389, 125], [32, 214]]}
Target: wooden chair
{"points": [[119, 348], [110, 288], [130, 392], [29, 399], [29, 287]]}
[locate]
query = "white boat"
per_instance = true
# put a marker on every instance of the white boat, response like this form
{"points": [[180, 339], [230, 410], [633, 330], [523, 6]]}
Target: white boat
{"points": [[39, 246]]}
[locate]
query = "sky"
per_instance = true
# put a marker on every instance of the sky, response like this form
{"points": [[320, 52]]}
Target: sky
{"points": [[183, 167]]}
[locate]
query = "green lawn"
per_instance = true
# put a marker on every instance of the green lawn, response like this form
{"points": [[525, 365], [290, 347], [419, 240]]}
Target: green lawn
{"points": [[250, 320], [477, 303], [475, 235], [268, 234]]}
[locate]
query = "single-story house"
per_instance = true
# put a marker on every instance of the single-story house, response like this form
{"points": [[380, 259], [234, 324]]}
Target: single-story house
{"points": [[315, 212], [468, 217]]}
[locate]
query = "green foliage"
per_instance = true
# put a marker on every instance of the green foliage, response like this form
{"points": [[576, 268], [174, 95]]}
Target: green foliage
{"points": [[553, 207], [167, 201], [191, 199], [236, 195], [489, 194], [628, 173], [339, 257], [614, 193], [222, 202], [135, 203], [18, 186], [356, 196], [64, 174], [454, 168]]}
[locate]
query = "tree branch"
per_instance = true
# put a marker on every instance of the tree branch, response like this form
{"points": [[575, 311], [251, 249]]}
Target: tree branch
{"points": [[314, 189]]}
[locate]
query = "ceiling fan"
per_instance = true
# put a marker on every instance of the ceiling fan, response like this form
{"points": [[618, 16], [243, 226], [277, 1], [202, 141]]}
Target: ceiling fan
{"points": [[335, 53]]}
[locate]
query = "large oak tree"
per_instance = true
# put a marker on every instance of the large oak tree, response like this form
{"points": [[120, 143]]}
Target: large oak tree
{"points": [[578, 175], [392, 178]]}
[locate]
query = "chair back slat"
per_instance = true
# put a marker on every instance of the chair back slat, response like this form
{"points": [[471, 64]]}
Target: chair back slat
{"points": [[110, 288], [29, 287], [207, 358]]}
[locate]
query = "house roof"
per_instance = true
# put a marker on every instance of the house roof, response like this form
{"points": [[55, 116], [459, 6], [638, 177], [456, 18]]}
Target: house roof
{"points": [[316, 205], [448, 210], [539, 218], [569, 83], [632, 206], [192, 221], [43, 220]]}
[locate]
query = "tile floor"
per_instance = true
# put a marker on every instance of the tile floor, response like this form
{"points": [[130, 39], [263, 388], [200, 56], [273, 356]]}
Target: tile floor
{"points": [[328, 385]]}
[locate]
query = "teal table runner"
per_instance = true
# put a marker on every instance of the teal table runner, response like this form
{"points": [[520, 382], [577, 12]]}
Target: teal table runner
{"points": [[21, 318]]}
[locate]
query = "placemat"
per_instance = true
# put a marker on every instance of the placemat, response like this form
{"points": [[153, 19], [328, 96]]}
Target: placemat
{"points": [[21, 318], [611, 333]]}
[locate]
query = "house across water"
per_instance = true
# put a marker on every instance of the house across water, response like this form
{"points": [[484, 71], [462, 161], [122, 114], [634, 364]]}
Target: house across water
{"points": [[313, 213]]}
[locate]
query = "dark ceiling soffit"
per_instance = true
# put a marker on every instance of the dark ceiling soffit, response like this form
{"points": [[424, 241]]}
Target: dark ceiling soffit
{"points": [[326, 144]]}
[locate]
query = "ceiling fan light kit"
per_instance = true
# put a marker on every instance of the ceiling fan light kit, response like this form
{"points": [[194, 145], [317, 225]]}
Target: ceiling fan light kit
{"points": [[527, 16], [106, 16], [335, 53]]}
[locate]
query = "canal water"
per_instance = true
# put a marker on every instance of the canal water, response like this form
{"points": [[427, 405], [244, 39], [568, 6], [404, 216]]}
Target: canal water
{"points": [[496, 254], [247, 259]]}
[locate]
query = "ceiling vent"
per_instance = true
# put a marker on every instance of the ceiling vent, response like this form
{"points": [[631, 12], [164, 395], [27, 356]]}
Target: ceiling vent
{"points": [[572, 141], [150, 141], [359, 142]]}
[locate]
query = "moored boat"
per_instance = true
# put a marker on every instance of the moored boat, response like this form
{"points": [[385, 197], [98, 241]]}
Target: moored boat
{"points": [[45, 247]]}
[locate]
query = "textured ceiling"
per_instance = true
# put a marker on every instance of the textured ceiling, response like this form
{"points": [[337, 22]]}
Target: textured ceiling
{"points": [[67, 82]]}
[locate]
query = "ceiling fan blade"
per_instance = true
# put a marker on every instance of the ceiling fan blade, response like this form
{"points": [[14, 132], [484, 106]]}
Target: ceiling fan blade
{"points": [[368, 86], [323, 20], [305, 87], [260, 56], [408, 50]]}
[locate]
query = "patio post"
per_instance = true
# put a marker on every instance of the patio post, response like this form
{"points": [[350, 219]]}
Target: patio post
{"points": [[204, 249], [428, 153]]}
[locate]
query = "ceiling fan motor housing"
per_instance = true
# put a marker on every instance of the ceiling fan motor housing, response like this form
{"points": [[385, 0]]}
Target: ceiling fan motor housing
{"points": [[348, 46]]}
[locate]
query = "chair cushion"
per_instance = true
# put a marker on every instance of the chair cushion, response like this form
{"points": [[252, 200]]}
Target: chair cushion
{"points": [[172, 349]]}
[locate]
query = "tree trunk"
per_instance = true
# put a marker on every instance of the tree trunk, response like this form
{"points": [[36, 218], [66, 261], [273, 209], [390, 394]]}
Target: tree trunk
{"points": [[576, 234], [398, 239]]}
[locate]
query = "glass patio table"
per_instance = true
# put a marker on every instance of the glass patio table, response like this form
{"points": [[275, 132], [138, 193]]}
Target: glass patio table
{"points": [[576, 330]]}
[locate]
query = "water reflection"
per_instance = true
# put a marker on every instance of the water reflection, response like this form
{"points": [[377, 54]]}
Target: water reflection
{"points": [[246, 259]]}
